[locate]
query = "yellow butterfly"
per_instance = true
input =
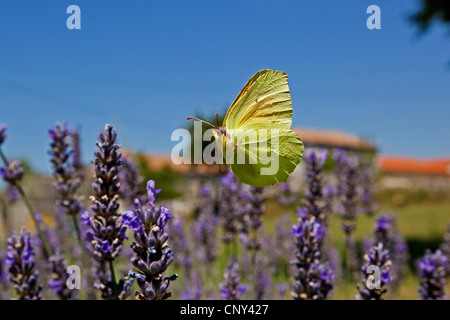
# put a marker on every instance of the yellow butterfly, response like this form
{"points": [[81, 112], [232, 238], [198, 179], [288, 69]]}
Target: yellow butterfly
{"points": [[256, 128]]}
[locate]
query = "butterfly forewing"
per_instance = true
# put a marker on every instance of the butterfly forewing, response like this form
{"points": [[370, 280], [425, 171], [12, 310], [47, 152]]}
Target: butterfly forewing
{"points": [[264, 99]]}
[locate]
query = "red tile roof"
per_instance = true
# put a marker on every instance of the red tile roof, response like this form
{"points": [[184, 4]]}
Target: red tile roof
{"points": [[334, 139], [395, 164]]}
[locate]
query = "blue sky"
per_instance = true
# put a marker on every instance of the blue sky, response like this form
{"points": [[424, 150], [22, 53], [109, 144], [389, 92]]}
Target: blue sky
{"points": [[144, 66]]}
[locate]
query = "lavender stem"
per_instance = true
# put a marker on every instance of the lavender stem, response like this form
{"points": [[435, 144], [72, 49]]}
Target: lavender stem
{"points": [[27, 203]]}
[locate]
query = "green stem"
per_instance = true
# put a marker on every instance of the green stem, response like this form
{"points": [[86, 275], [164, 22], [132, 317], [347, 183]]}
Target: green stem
{"points": [[6, 224], [77, 230], [85, 256], [45, 243], [4, 158], [235, 246], [113, 280]]}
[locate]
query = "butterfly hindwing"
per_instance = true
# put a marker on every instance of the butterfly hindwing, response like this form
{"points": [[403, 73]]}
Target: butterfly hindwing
{"points": [[265, 154]]}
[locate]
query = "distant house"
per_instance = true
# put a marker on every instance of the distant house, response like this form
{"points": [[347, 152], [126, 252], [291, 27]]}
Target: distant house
{"points": [[407, 172], [330, 139]]}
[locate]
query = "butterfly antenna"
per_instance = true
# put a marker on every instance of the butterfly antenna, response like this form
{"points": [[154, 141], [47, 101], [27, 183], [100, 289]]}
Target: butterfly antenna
{"points": [[217, 119], [194, 118]]}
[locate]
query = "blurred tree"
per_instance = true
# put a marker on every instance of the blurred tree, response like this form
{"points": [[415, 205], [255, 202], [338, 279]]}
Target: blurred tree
{"points": [[431, 10], [190, 128], [166, 178]]}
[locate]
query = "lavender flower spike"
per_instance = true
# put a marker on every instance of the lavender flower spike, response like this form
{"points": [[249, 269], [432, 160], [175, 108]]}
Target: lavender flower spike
{"points": [[22, 268], [131, 182], [367, 191], [4, 290], [375, 289], [67, 181], [107, 232], [205, 229], [314, 279], [229, 206], [286, 196], [58, 277], [76, 156], [349, 199], [231, 287], [152, 251], [314, 200], [13, 173], [432, 271], [253, 210], [347, 173]]}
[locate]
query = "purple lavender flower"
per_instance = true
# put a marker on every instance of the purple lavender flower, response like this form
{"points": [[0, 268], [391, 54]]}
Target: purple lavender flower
{"points": [[445, 246], [367, 244], [21, 267], [67, 182], [332, 255], [153, 253], [253, 210], [56, 264], [194, 289], [13, 173], [4, 290], [282, 289], [180, 245], [12, 190], [329, 195], [261, 282], [231, 288], [349, 199], [386, 232], [374, 289], [205, 229], [432, 271], [13, 193], [58, 277], [383, 224], [76, 151], [229, 206], [366, 190], [280, 247], [131, 182], [106, 231], [314, 279], [346, 171], [286, 196], [340, 159], [382, 229], [314, 201]]}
